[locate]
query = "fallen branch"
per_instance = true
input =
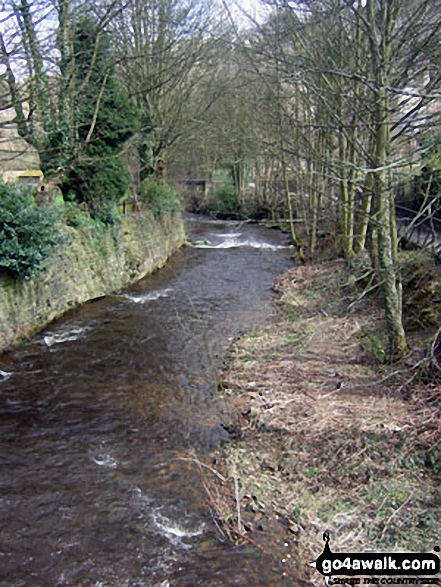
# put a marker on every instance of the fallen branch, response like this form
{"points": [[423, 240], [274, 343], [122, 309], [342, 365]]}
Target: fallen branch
{"points": [[394, 513]]}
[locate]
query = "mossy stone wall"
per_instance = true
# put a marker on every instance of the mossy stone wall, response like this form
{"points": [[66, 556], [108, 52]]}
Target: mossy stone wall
{"points": [[88, 265]]}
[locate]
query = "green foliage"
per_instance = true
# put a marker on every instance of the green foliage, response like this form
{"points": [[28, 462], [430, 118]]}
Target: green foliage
{"points": [[293, 338], [294, 315], [75, 217], [224, 201], [116, 122], [27, 232], [421, 287], [372, 344], [159, 197], [117, 115], [227, 199], [101, 184], [100, 178], [107, 214]]}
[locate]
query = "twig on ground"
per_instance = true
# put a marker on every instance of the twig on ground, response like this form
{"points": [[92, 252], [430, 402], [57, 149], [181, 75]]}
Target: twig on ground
{"points": [[200, 464], [237, 498], [394, 513]]}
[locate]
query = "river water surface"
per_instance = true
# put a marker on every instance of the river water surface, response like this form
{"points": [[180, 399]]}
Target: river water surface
{"points": [[101, 412]]}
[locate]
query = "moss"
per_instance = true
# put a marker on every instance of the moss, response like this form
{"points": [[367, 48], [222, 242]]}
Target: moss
{"points": [[421, 289]]}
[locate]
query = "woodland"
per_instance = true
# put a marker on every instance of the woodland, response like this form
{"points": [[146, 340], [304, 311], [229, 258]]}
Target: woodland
{"points": [[322, 114], [320, 117]]}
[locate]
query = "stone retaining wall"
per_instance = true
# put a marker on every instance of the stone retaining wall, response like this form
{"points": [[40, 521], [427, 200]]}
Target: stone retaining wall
{"points": [[87, 265]]}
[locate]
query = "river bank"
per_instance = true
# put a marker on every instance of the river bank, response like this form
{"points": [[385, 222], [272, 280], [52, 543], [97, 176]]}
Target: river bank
{"points": [[98, 425], [327, 438], [88, 264]]}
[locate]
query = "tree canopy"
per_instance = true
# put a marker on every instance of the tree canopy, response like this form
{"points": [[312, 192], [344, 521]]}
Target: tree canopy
{"points": [[322, 112]]}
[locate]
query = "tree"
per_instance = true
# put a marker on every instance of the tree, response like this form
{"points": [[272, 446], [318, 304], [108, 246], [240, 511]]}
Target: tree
{"points": [[164, 48], [79, 113], [47, 67], [105, 119], [363, 78]]}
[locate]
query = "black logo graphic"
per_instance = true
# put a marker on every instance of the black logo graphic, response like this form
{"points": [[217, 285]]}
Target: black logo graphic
{"points": [[368, 564]]}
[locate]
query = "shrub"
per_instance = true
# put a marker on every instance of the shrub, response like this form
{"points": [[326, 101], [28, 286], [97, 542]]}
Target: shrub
{"points": [[224, 201], [371, 343], [27, 232], [107, 214], [421, 286], [159, 197], [101, 184], [75, 217], [227, 199]]}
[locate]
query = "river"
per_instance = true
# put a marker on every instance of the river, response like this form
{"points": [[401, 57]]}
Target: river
{"points": [[101, 411]]}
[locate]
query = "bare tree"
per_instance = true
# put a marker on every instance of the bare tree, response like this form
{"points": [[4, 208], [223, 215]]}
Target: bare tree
{"points": [[364, 78], [164, 51], [40, 60]]}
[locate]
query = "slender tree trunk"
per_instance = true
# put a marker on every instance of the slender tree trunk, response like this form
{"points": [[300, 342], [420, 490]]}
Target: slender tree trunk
{"points": [[381, 23], [313, 210], [365, 211], [346, 193], [296, 241], [66, 107], [20, 118], [346, 232], [387, 267]]}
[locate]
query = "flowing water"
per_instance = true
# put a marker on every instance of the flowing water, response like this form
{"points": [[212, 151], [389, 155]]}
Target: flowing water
{"points": [[100, 413]]}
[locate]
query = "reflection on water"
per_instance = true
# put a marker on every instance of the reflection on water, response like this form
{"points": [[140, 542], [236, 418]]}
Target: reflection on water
{"points": [[99, 415]]}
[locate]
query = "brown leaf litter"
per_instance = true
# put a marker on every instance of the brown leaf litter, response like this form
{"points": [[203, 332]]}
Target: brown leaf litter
{"points": [[326, 438]]}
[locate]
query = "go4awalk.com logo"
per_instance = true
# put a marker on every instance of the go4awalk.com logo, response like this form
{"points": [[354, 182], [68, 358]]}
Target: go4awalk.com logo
{"points": [[396, 568]]}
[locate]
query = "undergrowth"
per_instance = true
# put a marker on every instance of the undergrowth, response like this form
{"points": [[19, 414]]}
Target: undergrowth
{"points": [[329, 436], [160, 198], [27, 232]]}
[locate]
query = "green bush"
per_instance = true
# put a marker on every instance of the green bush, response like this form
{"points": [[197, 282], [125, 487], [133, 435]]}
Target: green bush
{"points": [[75, 217], [107, 213], [371, 343], [159, 197], [421, 286], [223, 202], [227, 199], [27, 232], [101, 184]]}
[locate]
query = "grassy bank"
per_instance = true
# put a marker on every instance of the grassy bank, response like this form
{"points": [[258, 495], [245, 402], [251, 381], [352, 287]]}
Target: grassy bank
{"points": [[327, 437]]}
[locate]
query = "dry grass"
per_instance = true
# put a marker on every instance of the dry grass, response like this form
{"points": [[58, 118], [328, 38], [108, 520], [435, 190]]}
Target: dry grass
{"points": [[328, 439]]}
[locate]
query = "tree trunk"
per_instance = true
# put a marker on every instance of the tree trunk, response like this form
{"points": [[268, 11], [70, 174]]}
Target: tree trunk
{"points": [[381, 38], [296, 241], [363, 222], [387, 267], [66, 99]]}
